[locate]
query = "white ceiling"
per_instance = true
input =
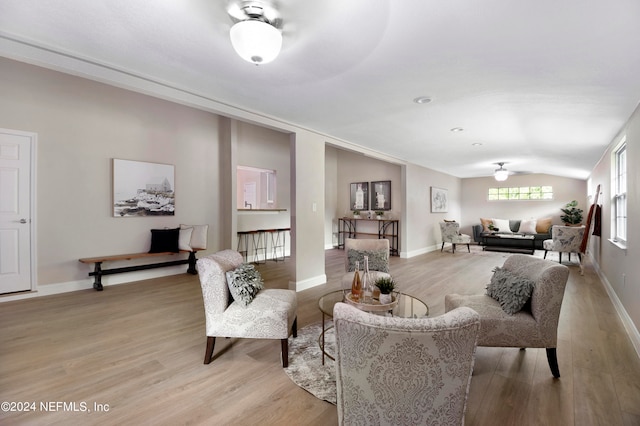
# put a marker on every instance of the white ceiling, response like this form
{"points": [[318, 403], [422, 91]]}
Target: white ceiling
{"points": [[542, 85]]}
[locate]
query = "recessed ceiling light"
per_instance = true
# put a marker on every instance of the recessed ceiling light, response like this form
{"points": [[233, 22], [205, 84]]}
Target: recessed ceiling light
{"points": [[422, 100], [476, 144], [457, 129]]}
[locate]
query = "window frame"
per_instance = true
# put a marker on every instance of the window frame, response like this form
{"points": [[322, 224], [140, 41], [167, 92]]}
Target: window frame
{"points": [[514, 193], [619, 193]]}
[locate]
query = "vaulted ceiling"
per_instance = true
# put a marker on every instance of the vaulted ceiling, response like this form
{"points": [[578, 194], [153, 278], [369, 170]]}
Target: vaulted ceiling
{"points": [[543, 86]]}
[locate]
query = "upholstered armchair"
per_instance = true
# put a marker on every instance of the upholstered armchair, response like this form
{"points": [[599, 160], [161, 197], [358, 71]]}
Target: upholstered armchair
{"points": [[403, 371], [270, 315], [450, 232], [356, 249], [532, 327], [564, 239]]}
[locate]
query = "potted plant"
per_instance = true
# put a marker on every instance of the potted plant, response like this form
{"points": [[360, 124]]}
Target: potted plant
{"points": [[356, 214], [572, 214], [386, 286], [379, 214]]}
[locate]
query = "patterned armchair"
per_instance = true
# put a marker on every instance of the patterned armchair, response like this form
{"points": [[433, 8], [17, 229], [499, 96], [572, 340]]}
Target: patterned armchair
{"points": [[403, 371], [536, 327], [564, 239], [271, 314], [451, 234], [376, 249]]}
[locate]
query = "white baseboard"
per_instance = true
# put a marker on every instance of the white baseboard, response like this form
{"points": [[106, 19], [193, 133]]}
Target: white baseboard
{"points": [[632, 330], [413, 253], [308, 283], [107, 280]]}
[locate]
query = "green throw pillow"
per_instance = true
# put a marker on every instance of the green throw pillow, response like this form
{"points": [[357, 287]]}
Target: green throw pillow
{"points": [[511, 290], [378, 259], [244, 283]]}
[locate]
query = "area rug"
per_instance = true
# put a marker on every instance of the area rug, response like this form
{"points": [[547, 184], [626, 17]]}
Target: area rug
{"points": [[305, 362]]}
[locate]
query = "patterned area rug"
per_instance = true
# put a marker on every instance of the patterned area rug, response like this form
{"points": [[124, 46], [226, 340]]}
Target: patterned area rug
{"points": [[305, 362]]}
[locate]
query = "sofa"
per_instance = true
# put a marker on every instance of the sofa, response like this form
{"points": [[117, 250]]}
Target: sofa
{"points": [[539, 228]]}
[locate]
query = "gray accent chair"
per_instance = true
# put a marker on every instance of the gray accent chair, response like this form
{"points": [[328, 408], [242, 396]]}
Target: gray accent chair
{"points": [[362, 245], [271, 314], [534, 327], [403, 371]]}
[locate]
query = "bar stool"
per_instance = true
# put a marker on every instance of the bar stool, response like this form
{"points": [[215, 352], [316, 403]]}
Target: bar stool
{"points": [[259, 245], [281, 242], [277, 242], [243, 244]]}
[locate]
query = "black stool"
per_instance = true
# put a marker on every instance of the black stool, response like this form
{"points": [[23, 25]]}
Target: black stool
{"points": [[243, 244], [259, 245]]}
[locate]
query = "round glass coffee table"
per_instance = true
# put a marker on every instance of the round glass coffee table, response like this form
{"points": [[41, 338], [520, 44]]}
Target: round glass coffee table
{"points": [[407, 307]]}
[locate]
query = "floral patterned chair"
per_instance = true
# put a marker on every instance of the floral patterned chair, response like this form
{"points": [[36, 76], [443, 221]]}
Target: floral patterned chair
{"points": [[450, 232], [270, 315], [532, 327], [403, 371], [564, 239]]}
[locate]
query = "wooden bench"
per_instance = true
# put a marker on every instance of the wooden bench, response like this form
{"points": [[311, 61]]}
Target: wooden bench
{"points": [[98, 272]]}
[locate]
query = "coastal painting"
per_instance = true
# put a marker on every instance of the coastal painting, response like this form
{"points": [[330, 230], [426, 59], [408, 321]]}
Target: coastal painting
{"points": [[143, 189]]}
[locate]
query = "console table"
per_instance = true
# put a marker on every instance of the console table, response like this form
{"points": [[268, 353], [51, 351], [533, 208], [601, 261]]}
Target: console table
{"points": [[386, 228]]}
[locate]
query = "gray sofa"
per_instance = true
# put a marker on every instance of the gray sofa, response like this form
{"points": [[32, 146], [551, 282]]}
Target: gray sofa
{"points": [[515, 226]]}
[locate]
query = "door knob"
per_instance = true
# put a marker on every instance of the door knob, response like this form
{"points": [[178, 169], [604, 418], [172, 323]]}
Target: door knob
{"points": [[23, 220]]}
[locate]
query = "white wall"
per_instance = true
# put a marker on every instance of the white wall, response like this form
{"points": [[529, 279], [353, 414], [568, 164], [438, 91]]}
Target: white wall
{"points": [[330, 196], [620, 268], [475, 204], [422, 231], [82, 126]]}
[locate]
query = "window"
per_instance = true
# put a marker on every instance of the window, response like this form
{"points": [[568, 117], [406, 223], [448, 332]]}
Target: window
{"points": [[521, 193], [619, 202]]}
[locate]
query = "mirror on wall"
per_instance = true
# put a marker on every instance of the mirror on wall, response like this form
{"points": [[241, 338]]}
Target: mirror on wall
{"points": [[256, 188]]}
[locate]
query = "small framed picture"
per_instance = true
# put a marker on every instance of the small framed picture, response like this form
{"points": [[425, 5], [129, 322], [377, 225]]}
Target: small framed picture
{"points": [[381, 195], [439, 200], [359, 196]]}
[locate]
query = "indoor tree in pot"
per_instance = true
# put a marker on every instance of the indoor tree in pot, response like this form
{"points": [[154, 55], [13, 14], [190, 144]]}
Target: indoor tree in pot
{"points": [[572, 214]]}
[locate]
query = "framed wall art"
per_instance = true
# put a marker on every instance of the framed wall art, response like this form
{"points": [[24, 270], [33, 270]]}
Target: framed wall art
{"points": [[381, 195], [143, 189], [439, 200], [359, 196]]}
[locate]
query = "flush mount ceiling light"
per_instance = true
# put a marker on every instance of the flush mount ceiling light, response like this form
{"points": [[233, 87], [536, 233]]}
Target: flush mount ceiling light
{"points": [[501, 174], [255, 35], [422, 100]]}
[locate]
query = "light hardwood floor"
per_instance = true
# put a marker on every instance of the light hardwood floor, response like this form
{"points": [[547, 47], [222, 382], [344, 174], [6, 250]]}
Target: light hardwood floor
{"points": [[137, 349]]}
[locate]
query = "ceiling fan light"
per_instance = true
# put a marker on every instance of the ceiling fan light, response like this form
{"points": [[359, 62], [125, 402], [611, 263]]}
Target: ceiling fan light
{"points": [[256, 41], [501, 174]]}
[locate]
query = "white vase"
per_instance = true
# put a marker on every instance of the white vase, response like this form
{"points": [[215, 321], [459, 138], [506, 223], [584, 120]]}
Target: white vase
{"points": [[385, 299]]}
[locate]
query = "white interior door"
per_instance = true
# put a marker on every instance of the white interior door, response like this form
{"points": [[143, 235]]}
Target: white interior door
{"points": [[15, 210]]}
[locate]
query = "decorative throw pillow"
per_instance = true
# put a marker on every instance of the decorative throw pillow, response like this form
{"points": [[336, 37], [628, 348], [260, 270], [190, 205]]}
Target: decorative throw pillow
{"points": [[502, 225], [184, 240], [164, 240], [527, 226], [378, 259], [244, 283], [198, 236], [511, 290], [543, 225], [485, 224]]}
